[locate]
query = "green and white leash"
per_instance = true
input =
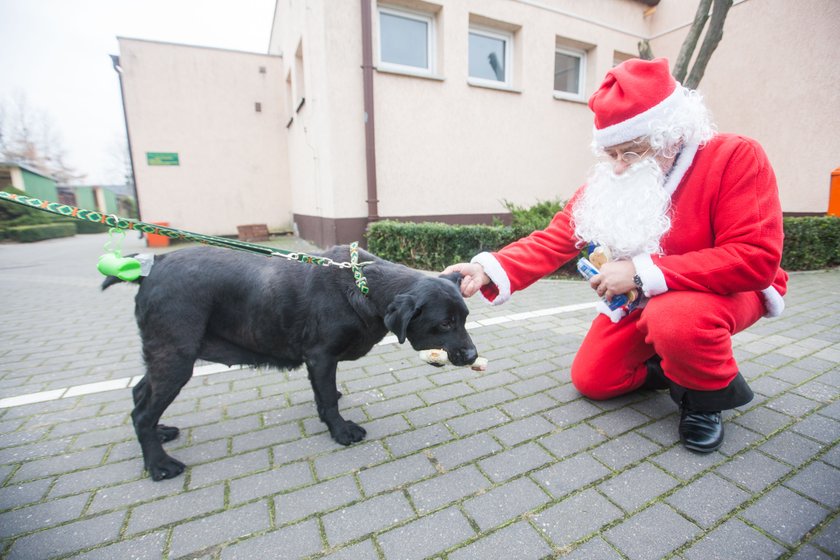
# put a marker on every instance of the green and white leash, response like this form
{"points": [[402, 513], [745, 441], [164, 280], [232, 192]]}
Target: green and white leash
{"points": [[121, 224]]}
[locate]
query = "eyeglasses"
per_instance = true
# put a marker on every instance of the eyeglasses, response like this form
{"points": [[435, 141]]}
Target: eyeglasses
{"points": [[628, 157]]}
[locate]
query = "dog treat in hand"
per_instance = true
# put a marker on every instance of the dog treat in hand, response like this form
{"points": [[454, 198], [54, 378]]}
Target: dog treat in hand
{"points": [[434, 356], [480, 364]]}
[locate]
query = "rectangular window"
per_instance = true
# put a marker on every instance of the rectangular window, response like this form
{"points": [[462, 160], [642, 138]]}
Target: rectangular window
{"points": [[490, 56], [405, 40], [569, 77]]}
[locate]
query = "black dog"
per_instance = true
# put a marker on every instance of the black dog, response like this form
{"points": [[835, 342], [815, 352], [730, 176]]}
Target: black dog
{"points": [[233, 307]]}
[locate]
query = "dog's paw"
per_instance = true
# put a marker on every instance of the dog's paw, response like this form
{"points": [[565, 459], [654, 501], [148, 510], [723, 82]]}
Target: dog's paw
{"points": [[166, 433], [167, 467], [349, 433]]}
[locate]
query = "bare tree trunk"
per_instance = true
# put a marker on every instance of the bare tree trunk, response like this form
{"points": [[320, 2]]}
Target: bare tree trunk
{"points": [[645, 52], [690, 41], [710, 42]]}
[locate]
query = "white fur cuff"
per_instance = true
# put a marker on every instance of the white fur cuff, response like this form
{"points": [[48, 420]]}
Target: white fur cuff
{"points": [[774, 303], [653, 281]]}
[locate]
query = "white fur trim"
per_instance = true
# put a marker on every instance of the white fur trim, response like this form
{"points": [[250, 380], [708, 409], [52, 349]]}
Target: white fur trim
{"points": [[637, 126], [615, 315], [684, 161], [653, 281], [774, 303], [497, 274]]}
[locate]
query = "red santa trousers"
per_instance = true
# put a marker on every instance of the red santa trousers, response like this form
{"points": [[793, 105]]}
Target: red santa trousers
{"points": [[690, 331]]}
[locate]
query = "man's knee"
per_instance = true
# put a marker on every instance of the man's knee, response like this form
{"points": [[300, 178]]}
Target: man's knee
{"points": [[591, 385]]}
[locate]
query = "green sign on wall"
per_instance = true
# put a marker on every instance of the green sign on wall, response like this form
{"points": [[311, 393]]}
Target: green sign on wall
{"points": [[162, 158]]}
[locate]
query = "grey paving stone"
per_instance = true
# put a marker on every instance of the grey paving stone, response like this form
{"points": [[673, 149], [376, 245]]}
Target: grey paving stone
{"points": [[477, 421], [521, 430], [663, 431], [642, 536], [485, 399], [493, 380], [532, 385], [446, 393], [818, 391], [147, 547], [376, 514], [619, 452], [737, 438], [753, 470], [521, 408], [820, 428], [435, 413], [384, 427], [516, 461], [203, 533], [416, 440], [684, 464], [265, 438], [635, 487], [592, 549], [320, 497], [573, 412], [393, 406], [619, 421], [97, 477], [59, 464], [69, 538], [505, 502], [395, 473], [707, 499], [769, 386], [809, 552], [427, 536], [16, 495], [518, 541], [176, 508], [763, 420], [576, 517], [734, 539], [465, 450], [571, 440], [791, 448], [269, 482], [785, 515], [820, 482], [41, 515], [231, 467], [436, 492], [571, 474], [793, 405], [364, 550], [349, 459], [829, 537]]}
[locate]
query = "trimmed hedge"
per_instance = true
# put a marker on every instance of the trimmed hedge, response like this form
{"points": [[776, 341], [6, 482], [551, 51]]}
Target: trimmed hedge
{"points": [[810, 242], [28, 234]]}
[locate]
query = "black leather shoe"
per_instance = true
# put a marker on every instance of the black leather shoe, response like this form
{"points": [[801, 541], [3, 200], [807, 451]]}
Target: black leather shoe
{"points": [[701, 431]]}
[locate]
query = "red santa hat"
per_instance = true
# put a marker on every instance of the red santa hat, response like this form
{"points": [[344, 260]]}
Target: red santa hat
{"points": [[633, 95]]}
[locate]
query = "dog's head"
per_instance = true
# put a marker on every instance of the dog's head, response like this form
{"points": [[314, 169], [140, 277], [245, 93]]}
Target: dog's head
{"points": [[432, 315]]}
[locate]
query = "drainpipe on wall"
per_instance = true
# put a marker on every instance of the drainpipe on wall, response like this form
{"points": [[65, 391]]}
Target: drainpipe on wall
{"points": [[370, 141], [115, 62]]}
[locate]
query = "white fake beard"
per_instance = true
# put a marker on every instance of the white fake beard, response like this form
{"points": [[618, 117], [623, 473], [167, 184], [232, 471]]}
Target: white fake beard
{"points": [[626, 213]]}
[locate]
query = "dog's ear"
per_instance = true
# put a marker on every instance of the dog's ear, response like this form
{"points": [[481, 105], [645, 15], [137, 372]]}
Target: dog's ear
{"points": [[453, 277], [400, 313]]}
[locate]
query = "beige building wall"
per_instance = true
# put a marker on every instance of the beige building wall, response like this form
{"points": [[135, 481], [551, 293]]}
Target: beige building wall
{"points": [[775, 78], [449, 149], [201, 104]]}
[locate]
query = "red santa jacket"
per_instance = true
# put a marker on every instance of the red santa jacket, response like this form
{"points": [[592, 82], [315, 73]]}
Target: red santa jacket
{"points": [[726, 231]]}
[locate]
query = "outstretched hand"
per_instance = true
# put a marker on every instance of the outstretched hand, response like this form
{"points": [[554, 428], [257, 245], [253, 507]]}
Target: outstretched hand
{"points": [[473, 277]]}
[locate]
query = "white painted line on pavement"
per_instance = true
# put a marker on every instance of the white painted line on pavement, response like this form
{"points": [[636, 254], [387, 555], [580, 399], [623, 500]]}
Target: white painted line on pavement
{"points": [[211, 369]]}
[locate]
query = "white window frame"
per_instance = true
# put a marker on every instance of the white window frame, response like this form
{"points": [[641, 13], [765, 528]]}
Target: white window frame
{"points": [[429, 20], [505, 36], [580, 95]]}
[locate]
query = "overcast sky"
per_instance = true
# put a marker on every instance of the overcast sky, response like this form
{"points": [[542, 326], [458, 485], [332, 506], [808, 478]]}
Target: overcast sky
{"points": [[56, 53]]}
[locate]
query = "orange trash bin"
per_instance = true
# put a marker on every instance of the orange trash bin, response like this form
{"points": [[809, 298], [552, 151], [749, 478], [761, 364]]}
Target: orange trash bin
{"points": [[834, 194], [155, 240]]}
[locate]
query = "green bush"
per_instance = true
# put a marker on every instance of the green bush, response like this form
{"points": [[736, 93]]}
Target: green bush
{"points": [[84, 226], [811, 243], [28, 234]]}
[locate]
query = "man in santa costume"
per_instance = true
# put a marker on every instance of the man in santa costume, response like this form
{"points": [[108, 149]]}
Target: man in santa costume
{"points": [[690, 223]]}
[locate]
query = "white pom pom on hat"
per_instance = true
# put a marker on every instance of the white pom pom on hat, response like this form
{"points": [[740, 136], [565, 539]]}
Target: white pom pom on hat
{"points": [[633, 95]]}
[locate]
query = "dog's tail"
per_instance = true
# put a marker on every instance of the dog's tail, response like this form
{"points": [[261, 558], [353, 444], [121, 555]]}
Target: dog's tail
{"points": [[111, 280]]}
